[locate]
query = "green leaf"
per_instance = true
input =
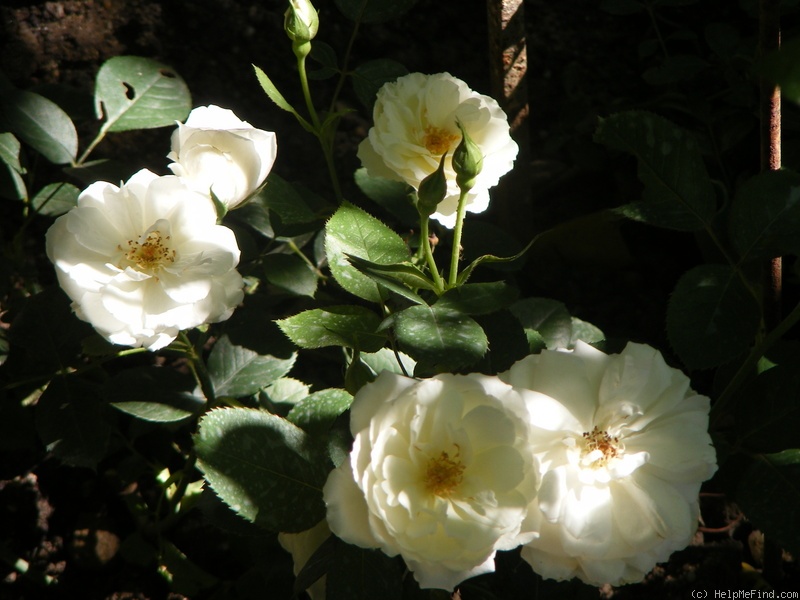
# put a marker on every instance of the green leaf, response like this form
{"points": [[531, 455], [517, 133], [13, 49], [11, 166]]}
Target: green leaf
{"points": [[359, 574], [11, 183], [41, 124], [711, 317], [545, 321], [478, 298], [370, 76], [9, 152], [351, 231], [769, 494], [71, 423], [489, 259], [400, 278], [55, 199], [281, 102], [386, 360], [678, 193], [132, 92], [290, 273], [767, 412], [237, 371], [48, 330], [154, 394], [348, 326], [585, 332], [317, 412], [286, 391], [280, 208], [373, 11], [325, 55], [439, 336], [765, 216], [263, 467], [508, 342], [390, 195]]}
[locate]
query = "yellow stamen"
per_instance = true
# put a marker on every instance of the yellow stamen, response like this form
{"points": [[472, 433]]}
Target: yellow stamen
{"points": [[444, 475], [600, 442], [438, 141]]}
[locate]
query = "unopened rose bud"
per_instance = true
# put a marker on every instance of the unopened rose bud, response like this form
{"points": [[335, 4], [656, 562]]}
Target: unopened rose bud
{"points": [[467, 161], [301, 23], [432, 190]]}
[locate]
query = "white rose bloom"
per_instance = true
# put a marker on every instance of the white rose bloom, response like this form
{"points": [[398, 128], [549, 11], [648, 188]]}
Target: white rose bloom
{"points": [[440, 472], [623, 447], [415, 123], [215, 150], [145, 261]]}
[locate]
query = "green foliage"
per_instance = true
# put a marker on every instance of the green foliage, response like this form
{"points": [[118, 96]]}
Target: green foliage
{"points": [[338, 292], [765, 478], [139, 93], [238, 371], [263, 467], [351, 231], [70, 420], [712, 317], [765, 216], [440, 337], [348, 326], [41, 124], [154, 394], [678, 193]]}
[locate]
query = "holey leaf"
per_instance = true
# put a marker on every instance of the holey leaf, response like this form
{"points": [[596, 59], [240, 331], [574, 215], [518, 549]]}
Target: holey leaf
{"points": [[711, 317], [139, 93], [765, 216], [352, 231], [264, 467], [678, 193]]}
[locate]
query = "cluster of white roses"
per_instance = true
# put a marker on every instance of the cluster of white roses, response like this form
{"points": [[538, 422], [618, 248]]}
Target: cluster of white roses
{"points": [[415, 124], [591, 462], [147, 259]]}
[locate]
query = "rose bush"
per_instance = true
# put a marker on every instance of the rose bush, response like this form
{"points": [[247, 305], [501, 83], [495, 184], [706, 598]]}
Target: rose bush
{"points": [[215, 150], [415, 124], [146, 260], [440, 472], [623, 446]]}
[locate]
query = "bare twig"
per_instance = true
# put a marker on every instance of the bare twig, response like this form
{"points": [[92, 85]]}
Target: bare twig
{"points": [[769, 39], [509, 63]]}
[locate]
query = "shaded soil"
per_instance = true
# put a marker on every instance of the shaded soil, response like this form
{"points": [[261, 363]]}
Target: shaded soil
{"points": [[73, 530]]}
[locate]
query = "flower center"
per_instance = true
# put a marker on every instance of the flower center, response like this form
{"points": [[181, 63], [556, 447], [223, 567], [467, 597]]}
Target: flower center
{"points": [[599, 448], [438, 141], [150, 252], [444, 475]]}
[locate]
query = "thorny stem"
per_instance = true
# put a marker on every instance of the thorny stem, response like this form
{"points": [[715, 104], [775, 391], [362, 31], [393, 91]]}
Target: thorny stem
{"points": [[293, 247], [425, 244], [456, 253], [198, 368], [325, 139]]}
